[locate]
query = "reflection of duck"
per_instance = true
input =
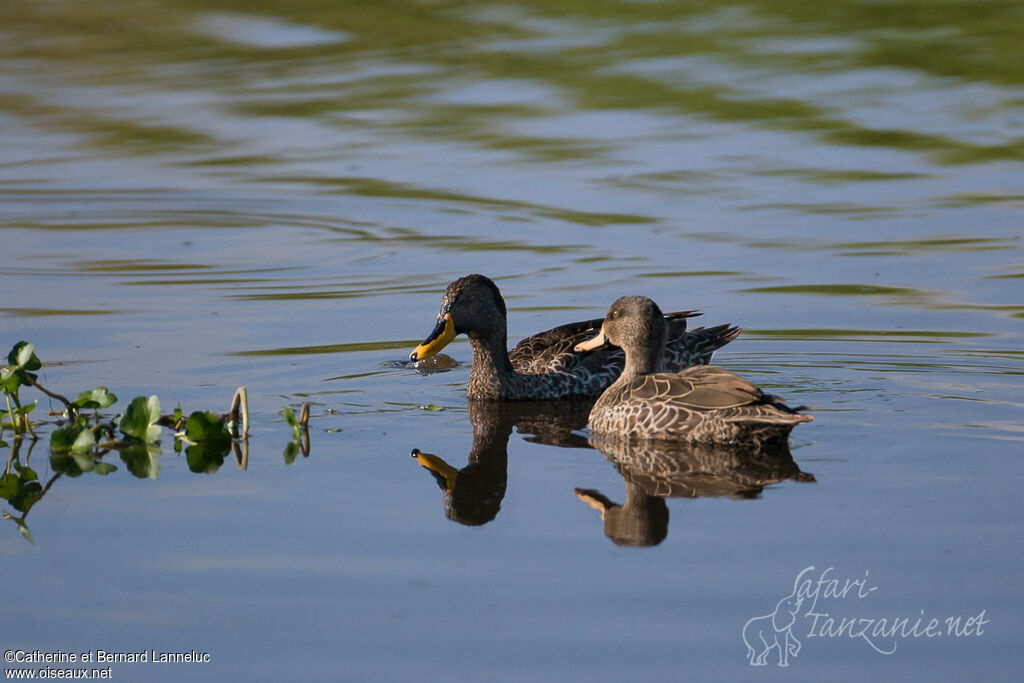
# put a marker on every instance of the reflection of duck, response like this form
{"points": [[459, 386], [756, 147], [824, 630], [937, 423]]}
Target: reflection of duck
{"points": [[546, 365], [473, 494], [703, 403], [655, 470]]}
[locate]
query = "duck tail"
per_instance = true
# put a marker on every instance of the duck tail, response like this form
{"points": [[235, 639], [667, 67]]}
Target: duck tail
{"points": [[704, 341]]}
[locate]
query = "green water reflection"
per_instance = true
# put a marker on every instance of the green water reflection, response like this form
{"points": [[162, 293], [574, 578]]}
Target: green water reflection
{"points": [[596, 56]]}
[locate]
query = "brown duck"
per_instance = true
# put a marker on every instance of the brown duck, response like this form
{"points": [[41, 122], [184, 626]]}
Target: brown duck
{"points": [[547, 365], [703, 404]]}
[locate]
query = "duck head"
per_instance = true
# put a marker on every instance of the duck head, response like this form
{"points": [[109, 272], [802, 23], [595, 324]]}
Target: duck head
{"points": [[471, 305], [635, 324]]}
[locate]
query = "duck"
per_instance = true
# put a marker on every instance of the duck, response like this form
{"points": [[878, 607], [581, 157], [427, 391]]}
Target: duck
{"points": [[702, 404], [547, 365]]}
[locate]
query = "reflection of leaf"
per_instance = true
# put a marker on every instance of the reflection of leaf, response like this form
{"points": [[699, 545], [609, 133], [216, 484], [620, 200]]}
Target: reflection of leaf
{"points": [[104, 467], [290, 452], [61, 461], [28, 493], [22, 527], [97, 399], [208, 456], [142, 460], [26, 472], [8, 485], [139, 418]]}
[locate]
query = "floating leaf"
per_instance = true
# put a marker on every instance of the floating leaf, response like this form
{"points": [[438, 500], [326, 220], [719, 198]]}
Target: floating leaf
{"points": [[289, 416], [72, 437], [431, 406], [23, 360], [9, 381], [97, 399], [23, 357], [62, 438], [84, 441], [140, 418], [206, 426]]}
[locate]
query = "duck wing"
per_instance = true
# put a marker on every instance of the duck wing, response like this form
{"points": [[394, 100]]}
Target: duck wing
{"points": [[553, 350]]}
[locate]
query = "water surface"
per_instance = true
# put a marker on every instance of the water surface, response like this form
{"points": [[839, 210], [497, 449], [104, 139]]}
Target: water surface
{"points": [[197, 197]]}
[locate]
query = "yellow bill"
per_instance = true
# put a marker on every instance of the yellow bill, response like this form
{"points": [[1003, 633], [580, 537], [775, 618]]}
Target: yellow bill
{"points": [[443, 333], [591, 344]]}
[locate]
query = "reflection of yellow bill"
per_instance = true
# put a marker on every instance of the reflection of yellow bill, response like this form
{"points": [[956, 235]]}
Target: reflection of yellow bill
{"points": [[443, 333], [436, 464], [591, 344]]}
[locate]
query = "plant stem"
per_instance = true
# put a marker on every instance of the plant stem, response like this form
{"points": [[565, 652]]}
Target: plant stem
{"points": [[51, 394]]}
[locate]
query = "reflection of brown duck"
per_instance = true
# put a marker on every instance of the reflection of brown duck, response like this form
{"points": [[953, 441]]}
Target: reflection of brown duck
{"points": [[547, 365], [473, 494], [655, 470]]}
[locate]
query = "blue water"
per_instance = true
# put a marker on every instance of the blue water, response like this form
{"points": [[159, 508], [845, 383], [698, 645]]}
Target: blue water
{"points": [[276, 197]]}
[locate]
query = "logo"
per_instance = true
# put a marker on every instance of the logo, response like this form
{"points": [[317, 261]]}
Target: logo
{"points": [[817, 607]]}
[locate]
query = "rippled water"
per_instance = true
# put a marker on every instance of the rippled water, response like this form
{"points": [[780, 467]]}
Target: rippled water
{"points": [[270, 194]]}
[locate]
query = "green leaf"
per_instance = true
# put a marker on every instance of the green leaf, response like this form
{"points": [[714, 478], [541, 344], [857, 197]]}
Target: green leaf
{"points": [[9, 381], [23, 357], [62, 438], [177, 414], [289, 417], [432, 406], [97, 399], [139, 418], [84, 441], [142, 460], [206, 426]]}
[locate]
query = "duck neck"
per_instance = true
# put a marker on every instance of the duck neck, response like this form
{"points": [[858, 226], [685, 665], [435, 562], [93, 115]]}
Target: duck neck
{"points": [[647, 358], [643, 362], [490, 358]]}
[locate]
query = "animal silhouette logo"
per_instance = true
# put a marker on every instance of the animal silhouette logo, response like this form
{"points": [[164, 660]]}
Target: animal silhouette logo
{"points": [[774, 631]]}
